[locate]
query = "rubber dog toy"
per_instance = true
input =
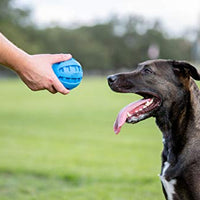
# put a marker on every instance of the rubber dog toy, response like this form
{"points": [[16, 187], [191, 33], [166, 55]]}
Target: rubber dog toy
{"points": [[69, 73]]}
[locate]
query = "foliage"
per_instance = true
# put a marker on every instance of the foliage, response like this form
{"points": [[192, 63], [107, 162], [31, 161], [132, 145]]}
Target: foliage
{"points": [[117, 43]]}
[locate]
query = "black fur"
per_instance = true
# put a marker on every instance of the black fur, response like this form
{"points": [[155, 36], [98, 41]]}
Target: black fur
{"points": [[178, 117]]}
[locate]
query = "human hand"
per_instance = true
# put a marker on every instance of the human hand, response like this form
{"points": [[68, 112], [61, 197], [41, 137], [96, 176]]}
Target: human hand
{"points": [[37, 73]]}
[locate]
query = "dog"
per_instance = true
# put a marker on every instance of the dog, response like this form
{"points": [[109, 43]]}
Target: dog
{"points": [[171, 95]]}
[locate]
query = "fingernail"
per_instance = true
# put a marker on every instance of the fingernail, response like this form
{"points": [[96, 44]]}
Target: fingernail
{"points": [[68, 55], [66, 92]]}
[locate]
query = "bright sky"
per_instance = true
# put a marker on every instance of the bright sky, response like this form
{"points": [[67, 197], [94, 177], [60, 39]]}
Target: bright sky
{"points": [[177, 15]]}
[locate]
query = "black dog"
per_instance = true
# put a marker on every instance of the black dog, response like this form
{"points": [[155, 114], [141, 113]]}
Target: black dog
{"points": [[173, 98]]}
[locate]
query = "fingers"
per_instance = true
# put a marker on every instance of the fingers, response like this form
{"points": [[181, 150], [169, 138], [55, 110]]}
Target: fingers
{"points": [[59, 87], [60, 57], [56, 85], [43, 77], [52, 89]]}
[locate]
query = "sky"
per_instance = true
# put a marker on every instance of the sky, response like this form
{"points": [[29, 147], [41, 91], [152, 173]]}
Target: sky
{"points": [[176, 15]]}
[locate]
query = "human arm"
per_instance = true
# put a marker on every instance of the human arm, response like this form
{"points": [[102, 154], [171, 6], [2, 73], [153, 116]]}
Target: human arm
{"points": [[34, 70]]}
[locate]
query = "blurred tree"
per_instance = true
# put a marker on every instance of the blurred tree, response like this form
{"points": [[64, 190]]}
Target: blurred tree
{"points": [[13, 22], [90, 52], [118, 43]]}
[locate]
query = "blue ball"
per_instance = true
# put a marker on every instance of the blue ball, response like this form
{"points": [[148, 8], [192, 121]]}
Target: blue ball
{"points": [[69, 73]]}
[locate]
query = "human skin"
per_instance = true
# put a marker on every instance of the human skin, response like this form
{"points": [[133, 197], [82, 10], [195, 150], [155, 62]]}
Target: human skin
{"points": [[34, 70]]}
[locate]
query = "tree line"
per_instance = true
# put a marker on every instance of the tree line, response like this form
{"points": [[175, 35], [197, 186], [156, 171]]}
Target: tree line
{"points": [[117, 43]]}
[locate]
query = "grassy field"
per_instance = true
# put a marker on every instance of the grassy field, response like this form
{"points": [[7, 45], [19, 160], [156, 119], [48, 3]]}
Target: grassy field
{"points": [[55, 147]]}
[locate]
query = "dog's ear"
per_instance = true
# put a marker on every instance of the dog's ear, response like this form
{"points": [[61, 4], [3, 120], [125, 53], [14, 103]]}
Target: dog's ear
{"points": [[185, 69]]}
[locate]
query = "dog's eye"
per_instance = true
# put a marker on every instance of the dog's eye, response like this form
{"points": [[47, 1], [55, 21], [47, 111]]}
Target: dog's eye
{"points": [[147, 71]]}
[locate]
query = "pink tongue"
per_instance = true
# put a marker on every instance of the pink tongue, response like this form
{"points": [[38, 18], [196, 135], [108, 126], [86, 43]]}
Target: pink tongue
{"points": [[122, 116]]}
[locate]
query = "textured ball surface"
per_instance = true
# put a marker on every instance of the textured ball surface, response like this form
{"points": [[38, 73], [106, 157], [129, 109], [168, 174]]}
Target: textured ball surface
{"points": [[69, 73]]}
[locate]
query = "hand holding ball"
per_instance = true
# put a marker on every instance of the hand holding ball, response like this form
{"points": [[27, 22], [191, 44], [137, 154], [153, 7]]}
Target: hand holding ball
{"points": [[69, 73]]}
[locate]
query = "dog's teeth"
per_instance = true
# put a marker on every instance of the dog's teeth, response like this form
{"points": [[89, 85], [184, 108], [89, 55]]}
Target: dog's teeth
{"points": [[149, 102], [144, 106], [136, 111], [128, 114], [140, 109]]}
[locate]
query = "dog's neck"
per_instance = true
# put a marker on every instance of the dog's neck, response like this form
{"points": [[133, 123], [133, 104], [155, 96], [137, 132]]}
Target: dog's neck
{"points": [[178, 124]]}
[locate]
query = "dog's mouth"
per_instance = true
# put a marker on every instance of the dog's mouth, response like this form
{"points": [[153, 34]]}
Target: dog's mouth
{"points": [[137, 111]]}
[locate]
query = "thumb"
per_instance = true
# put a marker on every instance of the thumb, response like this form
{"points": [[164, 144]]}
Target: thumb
{"points": [[55, 58]]}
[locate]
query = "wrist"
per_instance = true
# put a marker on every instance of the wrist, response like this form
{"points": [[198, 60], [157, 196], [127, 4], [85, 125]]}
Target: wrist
{"points": [[20, 62], [12, 56]]}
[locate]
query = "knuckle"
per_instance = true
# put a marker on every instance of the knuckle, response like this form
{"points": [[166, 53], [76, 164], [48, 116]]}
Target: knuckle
{"points": [[59, 56], [63, 56], [50, 80], [34, 88], [52, 90]]}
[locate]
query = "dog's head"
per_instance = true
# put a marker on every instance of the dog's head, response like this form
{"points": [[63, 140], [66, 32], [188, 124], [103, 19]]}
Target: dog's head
{"points": [[161, 83]]}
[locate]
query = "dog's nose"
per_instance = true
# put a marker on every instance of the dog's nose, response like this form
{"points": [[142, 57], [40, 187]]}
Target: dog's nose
{"points": [[112, 78]]}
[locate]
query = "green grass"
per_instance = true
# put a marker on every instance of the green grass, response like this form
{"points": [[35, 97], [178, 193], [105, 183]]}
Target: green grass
{"points": [[59, 147]]}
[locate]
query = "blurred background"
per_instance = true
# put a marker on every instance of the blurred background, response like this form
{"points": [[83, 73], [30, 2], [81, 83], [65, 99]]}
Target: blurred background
{"points": [[104, 36], [59, 147]]}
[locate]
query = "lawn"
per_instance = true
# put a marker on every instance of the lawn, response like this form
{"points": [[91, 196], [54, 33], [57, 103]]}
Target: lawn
{"points": [[55, 147]]}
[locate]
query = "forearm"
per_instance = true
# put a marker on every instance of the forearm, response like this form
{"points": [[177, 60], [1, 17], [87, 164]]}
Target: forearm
{"points": [[11, 56], [35, 70]]}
